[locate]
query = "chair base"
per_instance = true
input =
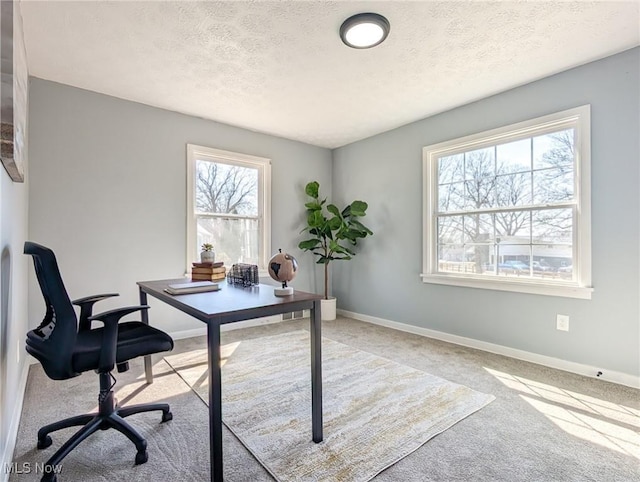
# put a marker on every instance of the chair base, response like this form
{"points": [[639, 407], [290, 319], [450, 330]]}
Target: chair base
{"points": [[108, 416]]}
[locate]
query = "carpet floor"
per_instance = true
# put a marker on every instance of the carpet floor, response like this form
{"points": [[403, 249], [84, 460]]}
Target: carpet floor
{"points": [[544, 425]]}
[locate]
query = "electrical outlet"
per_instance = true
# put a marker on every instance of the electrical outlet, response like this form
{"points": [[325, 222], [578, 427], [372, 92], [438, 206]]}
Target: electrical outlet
{"points": [[562, 322]]}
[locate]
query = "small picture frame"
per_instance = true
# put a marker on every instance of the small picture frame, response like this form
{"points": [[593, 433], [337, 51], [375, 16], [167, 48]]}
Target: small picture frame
{"points": [[13, 91]]}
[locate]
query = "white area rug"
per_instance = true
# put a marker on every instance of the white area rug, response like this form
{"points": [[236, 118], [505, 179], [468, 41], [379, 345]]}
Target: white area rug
{"points": [[375, 411]]}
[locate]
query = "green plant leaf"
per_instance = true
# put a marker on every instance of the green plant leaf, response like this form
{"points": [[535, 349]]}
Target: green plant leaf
{"points": [[312, 189], [316, 219], [337, 248], [347, 250], [313, 206], [325, 231], [359, 208], [335, 223], [309, 244], [333, 209], [361, 227], [346, 258]]}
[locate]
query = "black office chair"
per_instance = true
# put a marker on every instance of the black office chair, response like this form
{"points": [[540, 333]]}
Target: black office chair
{"points": [[66, 349]]}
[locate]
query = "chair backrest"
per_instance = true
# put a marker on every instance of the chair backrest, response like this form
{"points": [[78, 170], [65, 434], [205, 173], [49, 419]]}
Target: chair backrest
{"points": [[52, 343]]}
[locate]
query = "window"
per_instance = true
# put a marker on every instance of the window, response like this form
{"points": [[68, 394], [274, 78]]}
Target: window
{"points": [[228, 205], [509, 209]]}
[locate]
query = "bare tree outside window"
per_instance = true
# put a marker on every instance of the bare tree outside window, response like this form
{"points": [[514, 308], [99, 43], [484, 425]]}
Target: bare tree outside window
{"points": [[500, 208], [509, 208], [227, 210], [222, 188]]}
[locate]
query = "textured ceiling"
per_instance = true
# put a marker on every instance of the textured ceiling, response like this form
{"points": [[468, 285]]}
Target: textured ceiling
{"points": [[280, 67]]}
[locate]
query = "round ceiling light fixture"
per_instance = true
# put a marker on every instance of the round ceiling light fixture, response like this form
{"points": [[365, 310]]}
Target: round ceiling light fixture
{"points": [[364, 30]]}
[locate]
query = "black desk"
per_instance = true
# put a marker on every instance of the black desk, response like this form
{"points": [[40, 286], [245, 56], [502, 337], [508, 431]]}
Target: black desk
{"points": [[229, 305]]}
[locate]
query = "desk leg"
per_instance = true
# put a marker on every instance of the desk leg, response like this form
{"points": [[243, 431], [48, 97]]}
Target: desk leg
{"points": [[215, 401], [316, 372], [148, 371]]}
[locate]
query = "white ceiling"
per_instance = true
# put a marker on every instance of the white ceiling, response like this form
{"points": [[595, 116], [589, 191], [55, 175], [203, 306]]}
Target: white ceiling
{"points": [[280, 67]]}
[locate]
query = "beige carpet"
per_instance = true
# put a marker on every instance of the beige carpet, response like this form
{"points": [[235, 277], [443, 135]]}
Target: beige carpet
{"points": [[375, 411]]}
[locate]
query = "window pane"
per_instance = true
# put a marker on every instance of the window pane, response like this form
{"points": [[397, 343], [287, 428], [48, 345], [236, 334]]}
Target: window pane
{"points": [[513, 189], [554, 150], [234, 240], [553, 185], [552, 226], [451, 168], [565, 271], [451, 197], [222, 188], [478, 257], [480, 164], [479, 193], [451, 259], [513, 227], [514, 260], [552, 261], [450, 230], [514, 156], [478, 228]]}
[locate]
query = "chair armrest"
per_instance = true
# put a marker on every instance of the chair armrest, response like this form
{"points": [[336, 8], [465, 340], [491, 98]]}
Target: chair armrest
{"points": [[93, 298], [86, 308], [111, 319]]}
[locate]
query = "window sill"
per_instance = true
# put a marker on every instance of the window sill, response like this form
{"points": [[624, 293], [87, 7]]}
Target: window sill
{"points": [[518, 286]]}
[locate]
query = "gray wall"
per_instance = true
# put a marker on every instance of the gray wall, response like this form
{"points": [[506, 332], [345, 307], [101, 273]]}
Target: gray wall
{"points": [[386, 171], [108, 192]]}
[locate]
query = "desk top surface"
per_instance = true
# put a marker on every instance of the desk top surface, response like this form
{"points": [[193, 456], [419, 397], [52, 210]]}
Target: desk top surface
{"points": [[231, 302]]}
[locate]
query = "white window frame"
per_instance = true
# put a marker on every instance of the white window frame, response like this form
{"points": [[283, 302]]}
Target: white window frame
{"points": [[262, 164], [580, 287]]}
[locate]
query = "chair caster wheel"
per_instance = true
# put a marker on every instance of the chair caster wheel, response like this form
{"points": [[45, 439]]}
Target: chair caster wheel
{"points": [[142, 457], [43, 443], [166, 416]]}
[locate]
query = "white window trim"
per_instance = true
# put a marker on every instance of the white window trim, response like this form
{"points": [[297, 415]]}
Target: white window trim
{"points": [[581, 287], [195, 152]]}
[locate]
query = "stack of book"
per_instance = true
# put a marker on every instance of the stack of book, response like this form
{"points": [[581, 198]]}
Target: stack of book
{"points": [[208, 271], [195, 287]]}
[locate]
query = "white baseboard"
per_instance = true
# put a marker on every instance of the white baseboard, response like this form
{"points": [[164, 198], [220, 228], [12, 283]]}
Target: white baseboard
{"points": [[568, 366], [179, 335], [7, 457]]}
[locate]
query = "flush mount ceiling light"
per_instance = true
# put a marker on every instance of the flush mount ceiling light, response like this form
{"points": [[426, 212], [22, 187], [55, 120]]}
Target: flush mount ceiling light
{"points": [[364, 30]]}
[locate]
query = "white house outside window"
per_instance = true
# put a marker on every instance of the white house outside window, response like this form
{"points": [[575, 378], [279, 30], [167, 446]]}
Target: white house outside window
{"points": [[228, 205], [509, 209]]}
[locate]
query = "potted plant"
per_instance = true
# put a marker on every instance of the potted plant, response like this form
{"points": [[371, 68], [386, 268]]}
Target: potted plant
{"points": [[333, 232], [207, 254]]}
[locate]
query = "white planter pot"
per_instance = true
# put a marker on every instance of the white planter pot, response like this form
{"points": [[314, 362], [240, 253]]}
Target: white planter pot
{"points": [[328, 309], [207, 257]]}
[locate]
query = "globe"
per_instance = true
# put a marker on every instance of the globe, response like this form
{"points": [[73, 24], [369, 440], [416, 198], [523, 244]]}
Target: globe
{"points": [[283, 268]]}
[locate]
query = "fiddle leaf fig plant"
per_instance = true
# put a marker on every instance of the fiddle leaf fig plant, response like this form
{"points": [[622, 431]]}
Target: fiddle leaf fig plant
{"points": [[333, 232]]}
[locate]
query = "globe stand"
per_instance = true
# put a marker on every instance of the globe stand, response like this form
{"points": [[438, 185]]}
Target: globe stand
{"points": [[284, 291], [287, 291]]}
